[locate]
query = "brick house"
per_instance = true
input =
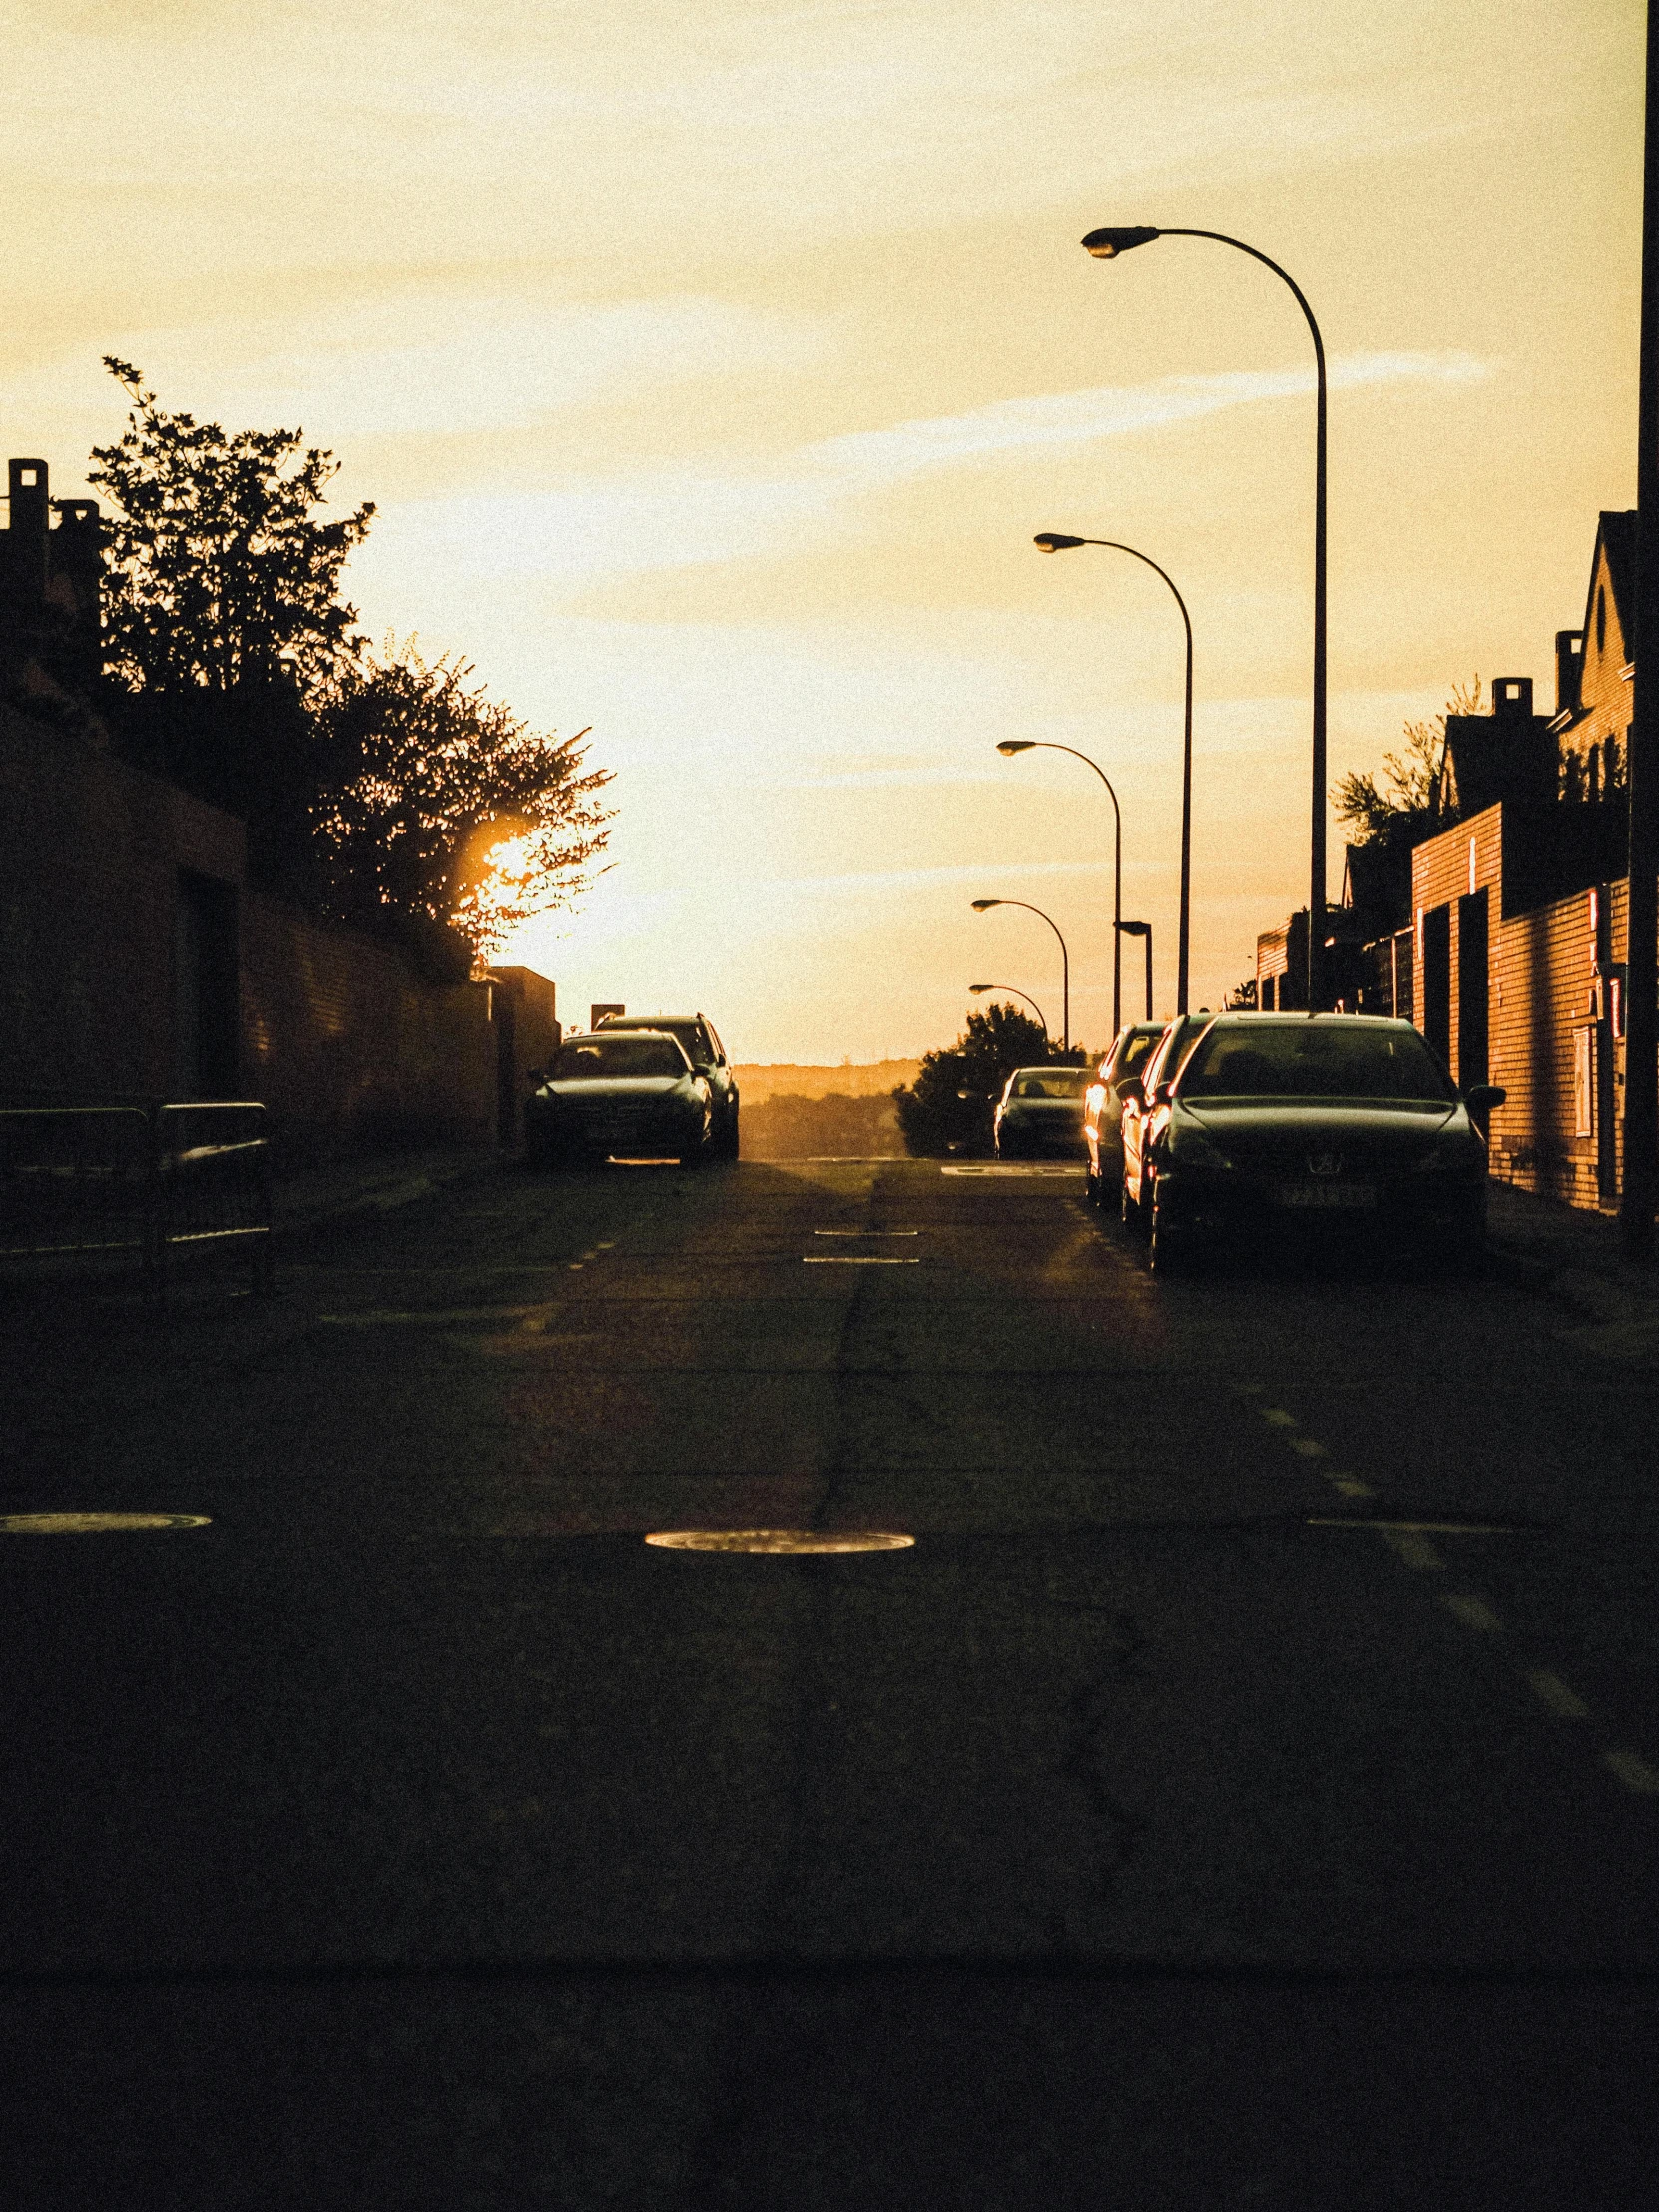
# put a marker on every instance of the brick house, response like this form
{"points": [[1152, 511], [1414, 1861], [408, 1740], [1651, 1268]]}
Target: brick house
{"points": [[1508, 946]]}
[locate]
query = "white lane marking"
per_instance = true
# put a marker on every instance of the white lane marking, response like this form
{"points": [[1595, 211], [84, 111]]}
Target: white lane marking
{"points": [[1473, 1613], [1307, 1448], [867, 1232], [1345, 1486], [1075, 1175], [605, 1244], [854, 1260], [1634, 1773], [1563, 1702], [1413, 1548], [381, 1316], [1275, 1419]]}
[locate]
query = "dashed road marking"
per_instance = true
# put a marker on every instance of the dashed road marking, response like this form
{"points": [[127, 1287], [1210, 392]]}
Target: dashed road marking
{"points": [[856, 1260], [1634, 1773], [1345, 1486], [1563, 1702], [1473, 1613], [1305, 1448], [1413, 1549], [1275, 1419]]}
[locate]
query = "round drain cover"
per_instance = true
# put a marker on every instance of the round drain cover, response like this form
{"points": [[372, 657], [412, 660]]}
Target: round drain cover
{"points": [[93, 1524], [779, 1539]]}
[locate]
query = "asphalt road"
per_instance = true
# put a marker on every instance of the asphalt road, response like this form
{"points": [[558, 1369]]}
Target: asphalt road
{"points": [[1245, 1791]]}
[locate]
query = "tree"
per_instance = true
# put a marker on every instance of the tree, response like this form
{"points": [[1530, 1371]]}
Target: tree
{"points": [[441, 802], [949, 1107], [1405, 809], [218, 576], [1242, 997]]}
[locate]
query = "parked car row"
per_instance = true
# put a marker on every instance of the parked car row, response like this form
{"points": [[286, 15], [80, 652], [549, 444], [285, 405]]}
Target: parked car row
{"points": [[1254, 1129], [655, 1086]]}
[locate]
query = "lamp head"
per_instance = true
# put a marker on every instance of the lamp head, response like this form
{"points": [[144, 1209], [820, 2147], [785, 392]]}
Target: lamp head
{"points": [[1009, 747], [1105, 245], [1056, 541], [1134, 928], [980, 904], [976, 989]]}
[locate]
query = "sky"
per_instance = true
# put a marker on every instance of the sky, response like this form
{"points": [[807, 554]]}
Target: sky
{"points": [[713, 366]]}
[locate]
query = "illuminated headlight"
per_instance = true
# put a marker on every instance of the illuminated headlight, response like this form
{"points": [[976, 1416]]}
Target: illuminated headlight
{"points": [[1193, 1148]]}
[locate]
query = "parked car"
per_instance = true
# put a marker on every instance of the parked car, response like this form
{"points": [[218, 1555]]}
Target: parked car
{"points": [[1345, 1123], [1144, 1099], [706, 1056], [1103, 1107], [1041, 1110], [633, 1096]]}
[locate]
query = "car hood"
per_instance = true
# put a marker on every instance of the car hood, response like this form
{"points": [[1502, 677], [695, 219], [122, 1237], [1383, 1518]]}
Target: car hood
{"points": [[1272, 1131], [614, 1089]]}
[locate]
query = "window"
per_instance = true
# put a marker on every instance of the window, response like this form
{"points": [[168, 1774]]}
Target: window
{"points": [[1584, 1081], [1601, 618]]}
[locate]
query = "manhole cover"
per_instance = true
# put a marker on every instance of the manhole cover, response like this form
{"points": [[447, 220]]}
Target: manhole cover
{"points": [[779, 1539], [93, 1524]]}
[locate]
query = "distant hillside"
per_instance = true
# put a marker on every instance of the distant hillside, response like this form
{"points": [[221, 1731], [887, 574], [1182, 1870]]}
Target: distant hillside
{"points": [[874, 1080]]}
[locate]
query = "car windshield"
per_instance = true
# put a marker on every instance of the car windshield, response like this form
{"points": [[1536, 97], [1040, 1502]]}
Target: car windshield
{"points": [[614, 1060], [1309, 1059], [1052, 1083]]}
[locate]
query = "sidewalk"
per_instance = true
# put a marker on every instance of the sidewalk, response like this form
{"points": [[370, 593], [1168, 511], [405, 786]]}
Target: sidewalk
{"points": [[1573, 1256], [377, 1182]]}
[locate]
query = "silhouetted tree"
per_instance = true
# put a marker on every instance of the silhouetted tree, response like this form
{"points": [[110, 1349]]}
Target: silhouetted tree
{"points": [[1404, 809], [949, 1107], [440, 802], [217, 574], [1242, 997]]}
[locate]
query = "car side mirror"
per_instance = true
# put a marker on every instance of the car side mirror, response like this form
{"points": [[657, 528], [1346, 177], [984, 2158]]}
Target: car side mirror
{"points": [[1484, 1098], [1160, 1094], [535, 1077], [1131, 1091]]}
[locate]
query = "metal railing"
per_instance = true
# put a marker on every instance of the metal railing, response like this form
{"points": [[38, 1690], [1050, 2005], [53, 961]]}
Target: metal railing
{"points": [[144, 1179]]}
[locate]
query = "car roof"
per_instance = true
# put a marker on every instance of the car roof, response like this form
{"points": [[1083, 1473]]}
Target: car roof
{"points": [[645, 1021], [598, 1036]]}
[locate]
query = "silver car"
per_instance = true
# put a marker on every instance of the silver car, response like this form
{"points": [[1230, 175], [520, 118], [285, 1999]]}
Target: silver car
{"points": [[1041, 1110], [629, 1095]]}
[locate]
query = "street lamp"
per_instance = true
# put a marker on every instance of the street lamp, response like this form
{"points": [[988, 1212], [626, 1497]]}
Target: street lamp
{"points": [[977, 990], [1056, 541], [1009, 747], [1144, 929], [983, 905], [1106, 245]]}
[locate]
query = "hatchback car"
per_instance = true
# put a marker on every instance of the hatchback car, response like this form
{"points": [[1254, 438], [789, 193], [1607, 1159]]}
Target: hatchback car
{"points": [[633, 1096], [1345, 1123], [1103, 1107], [706, 1056], [1041, 1110]]}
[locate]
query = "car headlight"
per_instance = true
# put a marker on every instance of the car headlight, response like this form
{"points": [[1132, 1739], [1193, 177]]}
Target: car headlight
{"points": [[1191, 1147]]}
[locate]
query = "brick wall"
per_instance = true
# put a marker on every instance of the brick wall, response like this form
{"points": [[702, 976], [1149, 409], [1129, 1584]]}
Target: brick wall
{"points": [[340, 1038], [1550, 1045]]}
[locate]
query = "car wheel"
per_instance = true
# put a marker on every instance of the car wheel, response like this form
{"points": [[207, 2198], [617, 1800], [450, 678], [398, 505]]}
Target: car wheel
{"points": [[1168, 1250], [1129, 1210]]}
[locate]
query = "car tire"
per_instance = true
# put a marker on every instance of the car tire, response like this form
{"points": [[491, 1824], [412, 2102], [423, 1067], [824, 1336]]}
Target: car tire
{"points": [[1129, 1212], [1168, 1251]]}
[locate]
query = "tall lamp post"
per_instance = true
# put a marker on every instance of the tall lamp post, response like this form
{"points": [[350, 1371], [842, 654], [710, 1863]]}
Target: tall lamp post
{"points": [[984, 906], [1106, 245], [1144, 929], [1009, 747], [1056, 541], [977, 990]]}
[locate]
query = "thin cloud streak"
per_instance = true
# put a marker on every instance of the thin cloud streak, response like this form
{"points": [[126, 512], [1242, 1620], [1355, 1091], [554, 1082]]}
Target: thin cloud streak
{"points": [[689, 516]]}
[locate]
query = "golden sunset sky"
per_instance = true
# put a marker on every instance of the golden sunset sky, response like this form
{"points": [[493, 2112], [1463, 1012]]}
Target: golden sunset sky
{"points": [[713, 364]]}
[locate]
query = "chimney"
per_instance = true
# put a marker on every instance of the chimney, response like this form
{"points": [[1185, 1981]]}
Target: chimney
{"points": [[24, 571], [1570, 669], [1513, 696]]}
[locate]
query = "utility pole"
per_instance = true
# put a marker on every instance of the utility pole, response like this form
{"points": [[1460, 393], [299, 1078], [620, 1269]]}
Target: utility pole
{"points": [[1641, 1051]]}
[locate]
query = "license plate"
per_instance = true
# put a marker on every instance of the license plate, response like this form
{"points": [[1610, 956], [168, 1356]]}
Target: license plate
{"points": [[1328, 1197]]}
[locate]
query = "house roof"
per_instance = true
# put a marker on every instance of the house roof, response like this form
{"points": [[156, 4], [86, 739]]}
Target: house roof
{"points": [[1616, 530]]}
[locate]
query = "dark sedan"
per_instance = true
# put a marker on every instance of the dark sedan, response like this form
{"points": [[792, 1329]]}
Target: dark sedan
{"points": [[1291, 1123], [697, 1034], [1103, 1107], [1145, 1105], [632, 1095]]}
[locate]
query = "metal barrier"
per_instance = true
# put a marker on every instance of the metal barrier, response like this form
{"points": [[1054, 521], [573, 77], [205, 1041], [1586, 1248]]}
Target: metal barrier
{"points": [[144, 1179]]}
